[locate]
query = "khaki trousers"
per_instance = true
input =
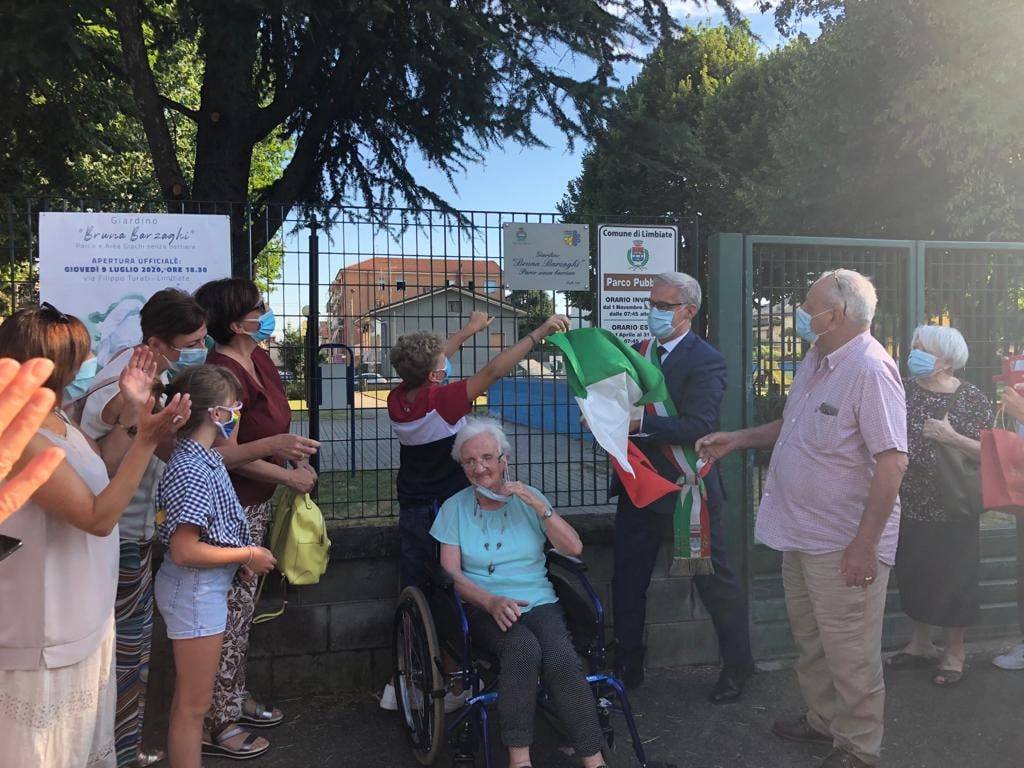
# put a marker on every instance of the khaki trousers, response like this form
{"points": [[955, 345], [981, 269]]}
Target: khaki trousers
{"points": [[838, 634]]}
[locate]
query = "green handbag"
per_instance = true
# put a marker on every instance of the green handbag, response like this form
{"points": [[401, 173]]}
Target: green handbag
{"points": [[298, 539]]}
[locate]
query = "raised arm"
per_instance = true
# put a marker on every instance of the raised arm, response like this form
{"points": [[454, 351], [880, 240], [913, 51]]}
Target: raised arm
{"points": [[478, 321], [121, 412], [24, 404], [66, 496], [505, 361]]}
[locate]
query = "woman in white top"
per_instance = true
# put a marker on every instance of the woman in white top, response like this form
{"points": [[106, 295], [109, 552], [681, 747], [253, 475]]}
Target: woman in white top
{"points": [[57, 690]]}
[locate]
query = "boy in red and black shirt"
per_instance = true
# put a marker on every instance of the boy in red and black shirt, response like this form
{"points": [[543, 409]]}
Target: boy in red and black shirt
{"points": [[425, 416]]}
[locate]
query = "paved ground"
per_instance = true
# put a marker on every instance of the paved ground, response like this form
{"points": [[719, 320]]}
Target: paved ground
{"points": [[977, 723]]}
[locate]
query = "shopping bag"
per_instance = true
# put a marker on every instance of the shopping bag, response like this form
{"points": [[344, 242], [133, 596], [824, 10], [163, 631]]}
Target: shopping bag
{"points": [[1002, 470]]}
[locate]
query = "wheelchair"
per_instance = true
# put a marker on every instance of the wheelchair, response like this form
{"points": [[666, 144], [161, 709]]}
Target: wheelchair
{"points": [[427, 628]]}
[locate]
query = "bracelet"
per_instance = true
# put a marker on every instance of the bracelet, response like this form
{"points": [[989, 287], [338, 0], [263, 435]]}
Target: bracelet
{"points": [[251, 555], [132, 430], [533, 341]]}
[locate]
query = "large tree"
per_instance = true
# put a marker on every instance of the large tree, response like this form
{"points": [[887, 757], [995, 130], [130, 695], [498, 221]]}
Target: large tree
{"points": [[356, 86]]}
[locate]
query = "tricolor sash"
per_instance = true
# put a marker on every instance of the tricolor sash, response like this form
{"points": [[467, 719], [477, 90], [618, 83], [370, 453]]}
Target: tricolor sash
{"points": [[691, 555]]}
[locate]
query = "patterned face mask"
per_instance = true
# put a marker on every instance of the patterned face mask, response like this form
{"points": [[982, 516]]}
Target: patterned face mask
{"points": [[227, 427]]}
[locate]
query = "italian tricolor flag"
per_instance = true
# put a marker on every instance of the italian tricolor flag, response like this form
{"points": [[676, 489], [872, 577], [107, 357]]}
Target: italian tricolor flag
{"points": [[613, 385]]}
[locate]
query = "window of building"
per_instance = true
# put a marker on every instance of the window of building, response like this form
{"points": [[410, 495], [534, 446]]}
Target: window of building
{"points": [[491, 286], [455, 307]]}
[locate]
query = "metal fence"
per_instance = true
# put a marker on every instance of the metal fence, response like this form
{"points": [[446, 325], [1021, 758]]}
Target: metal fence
{"points": [[344, 286], [977, 288]]}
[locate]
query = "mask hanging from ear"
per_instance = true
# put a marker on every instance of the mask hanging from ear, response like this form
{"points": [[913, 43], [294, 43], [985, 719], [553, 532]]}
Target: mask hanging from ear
{"points": [[80, 384]]}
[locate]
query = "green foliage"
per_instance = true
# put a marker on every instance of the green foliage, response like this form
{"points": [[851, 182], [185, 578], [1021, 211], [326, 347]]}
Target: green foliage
{"points": [[538, 305], [901, 120], [293, 360]]}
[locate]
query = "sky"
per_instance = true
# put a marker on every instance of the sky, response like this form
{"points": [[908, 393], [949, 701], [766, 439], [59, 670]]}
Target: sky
{"points": [[513, 178]]}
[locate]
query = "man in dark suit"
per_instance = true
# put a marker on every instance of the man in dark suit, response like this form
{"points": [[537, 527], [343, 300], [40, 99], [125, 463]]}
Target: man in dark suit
{"points": [[696, 377]]}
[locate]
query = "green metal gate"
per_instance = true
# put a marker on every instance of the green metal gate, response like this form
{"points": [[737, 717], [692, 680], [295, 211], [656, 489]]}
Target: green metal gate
{"points": [[755, 283]]}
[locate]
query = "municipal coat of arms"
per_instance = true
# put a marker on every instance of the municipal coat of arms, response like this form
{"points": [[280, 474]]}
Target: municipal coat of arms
{"points": [[571, 237], [638, 256]]}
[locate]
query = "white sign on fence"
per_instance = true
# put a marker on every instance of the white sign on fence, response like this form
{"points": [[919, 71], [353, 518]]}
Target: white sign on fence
{"points": [[546, 257], [102, 267], [630, 256]]}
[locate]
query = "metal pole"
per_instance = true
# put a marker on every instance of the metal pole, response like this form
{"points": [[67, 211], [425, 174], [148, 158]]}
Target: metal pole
{"points": [[312, 332]]}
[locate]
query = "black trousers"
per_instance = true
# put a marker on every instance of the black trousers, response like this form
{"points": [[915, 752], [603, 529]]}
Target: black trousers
{"points": [[639, 534], [538, 647]]}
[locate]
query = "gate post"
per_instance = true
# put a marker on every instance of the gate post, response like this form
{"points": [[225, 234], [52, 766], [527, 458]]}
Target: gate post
{"points": [[312, 334], [729, 318], [915, 305]]}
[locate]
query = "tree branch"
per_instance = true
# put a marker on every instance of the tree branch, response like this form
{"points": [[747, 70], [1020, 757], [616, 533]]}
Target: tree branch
{"points": [[290, 97], [148, 99], [191, 114]]}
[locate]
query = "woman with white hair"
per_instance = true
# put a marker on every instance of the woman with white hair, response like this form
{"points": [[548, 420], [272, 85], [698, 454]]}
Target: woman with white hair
{"points": [[492, 537], [937, 559]]}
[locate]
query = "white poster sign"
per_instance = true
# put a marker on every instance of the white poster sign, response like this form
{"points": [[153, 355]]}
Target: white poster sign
{"points": [[546, 257], [102, 267], [630, 257]]}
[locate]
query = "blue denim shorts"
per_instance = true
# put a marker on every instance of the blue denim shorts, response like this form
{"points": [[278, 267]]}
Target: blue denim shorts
{"points": [[193, 601]]}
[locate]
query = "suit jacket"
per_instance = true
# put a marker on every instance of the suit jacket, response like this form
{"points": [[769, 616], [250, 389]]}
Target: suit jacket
{"points": [[695, 375]]}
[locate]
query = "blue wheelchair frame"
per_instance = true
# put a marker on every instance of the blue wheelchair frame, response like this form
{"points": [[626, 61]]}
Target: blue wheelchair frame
{"points": [[469, 726]]}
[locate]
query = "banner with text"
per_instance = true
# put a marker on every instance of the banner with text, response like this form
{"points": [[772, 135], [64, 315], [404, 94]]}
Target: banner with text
{"points": [[102, 267], [630, 256], [546, 257]]}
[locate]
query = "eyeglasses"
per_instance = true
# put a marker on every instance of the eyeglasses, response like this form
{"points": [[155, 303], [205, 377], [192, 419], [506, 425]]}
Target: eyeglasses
{"points": [[487, 460], [55, 314], [839, 287], [662, 305]]}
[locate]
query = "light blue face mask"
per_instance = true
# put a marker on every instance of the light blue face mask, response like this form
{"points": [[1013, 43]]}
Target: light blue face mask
{"points": [[80, 384], [447, 368], [659, 321], [187, 357], [487, 493], [267, 325], [920, 363], [803, 325]]}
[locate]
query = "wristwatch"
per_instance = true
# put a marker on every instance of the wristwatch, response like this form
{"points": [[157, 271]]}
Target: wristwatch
{"points": [[547, 514]]}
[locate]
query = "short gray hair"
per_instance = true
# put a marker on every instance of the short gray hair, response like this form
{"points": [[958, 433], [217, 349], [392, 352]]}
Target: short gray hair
{"points": [[855, 291], [942, 341], [689, 289], [480, 425]]}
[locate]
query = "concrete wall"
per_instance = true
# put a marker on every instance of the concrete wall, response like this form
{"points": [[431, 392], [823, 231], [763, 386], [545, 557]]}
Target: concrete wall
{"points": [[336, 636]]}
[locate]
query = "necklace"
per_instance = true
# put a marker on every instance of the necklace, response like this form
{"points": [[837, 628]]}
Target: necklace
{"points": [[487, 531]]}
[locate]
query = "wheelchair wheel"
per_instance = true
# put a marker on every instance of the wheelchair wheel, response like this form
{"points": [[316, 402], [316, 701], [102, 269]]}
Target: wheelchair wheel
{"points": [[419, 685]]}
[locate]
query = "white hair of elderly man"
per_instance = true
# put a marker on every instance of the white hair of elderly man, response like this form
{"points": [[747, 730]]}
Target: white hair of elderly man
{"points": [[689, 288], [853, 290]]}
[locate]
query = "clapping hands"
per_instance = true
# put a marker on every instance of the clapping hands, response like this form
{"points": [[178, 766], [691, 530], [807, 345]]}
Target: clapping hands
{"points": [[24, 403]]}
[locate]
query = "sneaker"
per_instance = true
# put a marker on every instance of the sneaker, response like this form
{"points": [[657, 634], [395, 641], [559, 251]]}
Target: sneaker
{"points": [[452, 702], [1013, 659], [388, 699]]}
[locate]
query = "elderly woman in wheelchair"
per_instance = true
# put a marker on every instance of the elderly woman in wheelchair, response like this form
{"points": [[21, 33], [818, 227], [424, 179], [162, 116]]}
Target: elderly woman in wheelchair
{"points": [[492, 538], [514, 617]]}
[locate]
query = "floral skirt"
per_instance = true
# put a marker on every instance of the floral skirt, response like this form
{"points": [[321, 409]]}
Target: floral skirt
{"points": [[61, 717]]}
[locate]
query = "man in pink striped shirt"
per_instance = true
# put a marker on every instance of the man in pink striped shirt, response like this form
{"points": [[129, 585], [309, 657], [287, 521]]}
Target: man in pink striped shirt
{"points": [[830, 503]]}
